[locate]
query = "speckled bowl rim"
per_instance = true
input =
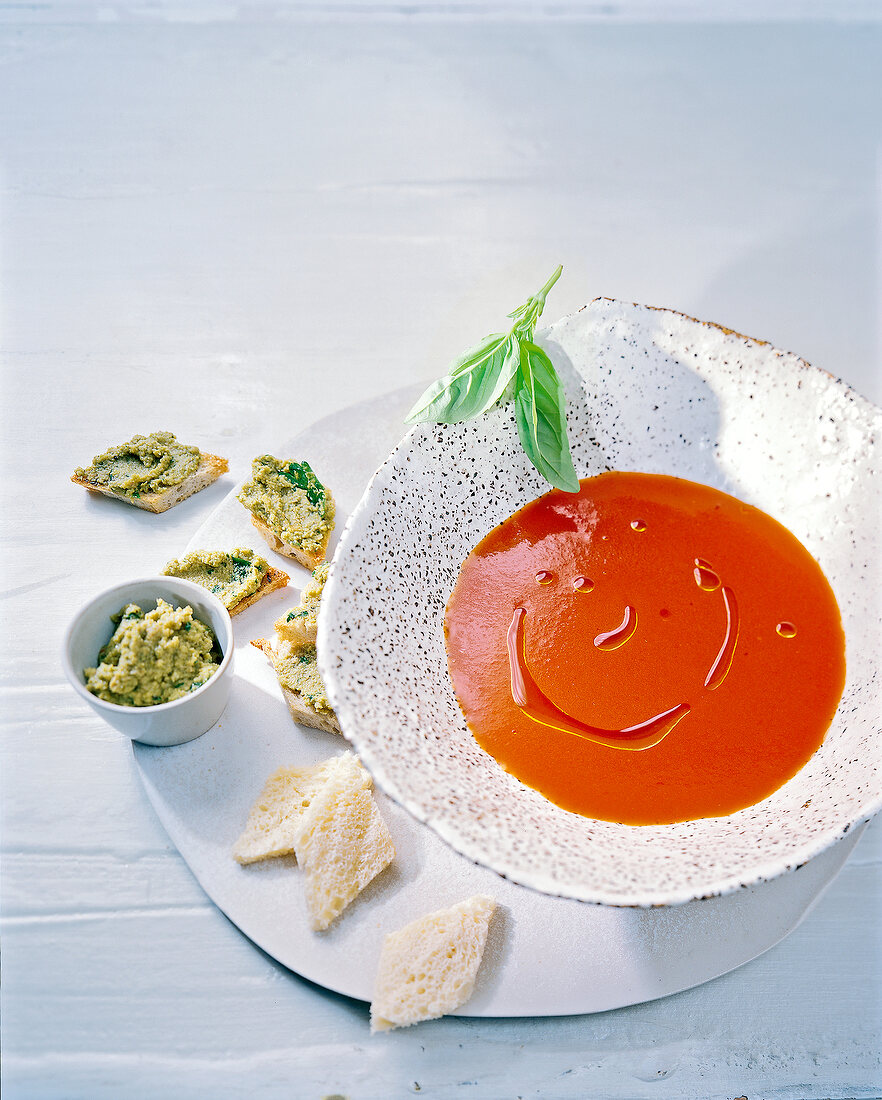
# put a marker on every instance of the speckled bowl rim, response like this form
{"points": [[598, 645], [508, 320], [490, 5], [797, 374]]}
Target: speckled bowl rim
{"points": [[349, 718]]}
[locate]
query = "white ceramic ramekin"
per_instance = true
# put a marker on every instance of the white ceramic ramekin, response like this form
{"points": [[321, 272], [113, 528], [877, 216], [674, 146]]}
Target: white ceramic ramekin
{"points": [[166, 723]]}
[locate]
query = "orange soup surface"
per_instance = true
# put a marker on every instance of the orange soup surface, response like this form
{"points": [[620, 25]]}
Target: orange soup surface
{"points": [[647, 650]]}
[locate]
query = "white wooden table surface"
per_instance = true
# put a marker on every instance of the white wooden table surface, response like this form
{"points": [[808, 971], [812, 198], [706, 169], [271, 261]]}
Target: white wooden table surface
{"points": [[231, 221]]}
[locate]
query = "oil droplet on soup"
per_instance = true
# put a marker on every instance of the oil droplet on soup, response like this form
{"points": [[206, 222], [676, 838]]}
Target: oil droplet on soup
{"points": [[670, 694], [704, 575]]}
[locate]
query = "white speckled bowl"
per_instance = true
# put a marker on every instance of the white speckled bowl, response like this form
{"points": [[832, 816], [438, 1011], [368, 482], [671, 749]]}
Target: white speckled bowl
{"points": [[166, 723], [648, 390]]}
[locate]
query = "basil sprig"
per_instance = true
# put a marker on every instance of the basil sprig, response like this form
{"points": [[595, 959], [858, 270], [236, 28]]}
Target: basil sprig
{"points": [[508, 366]]}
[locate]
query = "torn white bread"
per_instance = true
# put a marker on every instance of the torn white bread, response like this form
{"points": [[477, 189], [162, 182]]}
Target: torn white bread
{"points": [[272, 823], [429, 967], [341, 841], [326, 816]]}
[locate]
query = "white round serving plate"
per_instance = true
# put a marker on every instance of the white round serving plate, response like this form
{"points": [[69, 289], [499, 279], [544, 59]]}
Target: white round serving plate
{"points": [[545, 955], [648, 390]]}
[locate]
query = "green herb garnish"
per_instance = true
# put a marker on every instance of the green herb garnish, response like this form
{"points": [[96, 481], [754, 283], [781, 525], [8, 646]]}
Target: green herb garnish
{"points": [[508, 366], [301, 477]]}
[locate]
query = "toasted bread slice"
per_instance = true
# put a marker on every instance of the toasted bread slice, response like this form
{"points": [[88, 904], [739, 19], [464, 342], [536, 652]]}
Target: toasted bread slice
{"points": [[210, 469], [299, 626], [310, 560], [272, 579], [301, 709], [199, 566], [293, 511], [428, 968]]}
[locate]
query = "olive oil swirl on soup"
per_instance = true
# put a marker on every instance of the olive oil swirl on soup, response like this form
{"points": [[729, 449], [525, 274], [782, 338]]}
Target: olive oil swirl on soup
{"points": [[647, 650]]}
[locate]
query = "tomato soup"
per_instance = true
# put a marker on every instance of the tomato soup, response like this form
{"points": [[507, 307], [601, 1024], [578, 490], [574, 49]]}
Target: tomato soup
{"points": [[647, 650]]}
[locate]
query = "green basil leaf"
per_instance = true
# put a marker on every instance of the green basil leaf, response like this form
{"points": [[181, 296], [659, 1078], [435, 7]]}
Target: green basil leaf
{"points": [[301, 477], [540, 411], [507, 367], [472, 385]]}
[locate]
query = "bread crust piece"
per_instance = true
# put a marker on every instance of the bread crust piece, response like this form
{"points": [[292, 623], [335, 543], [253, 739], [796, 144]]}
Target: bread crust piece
{"points": [[299, 626], [301, 710], [429, 967], [310, 561], [341, 841], [326, 816], [210, 469], [272, 825], [271, 580]]}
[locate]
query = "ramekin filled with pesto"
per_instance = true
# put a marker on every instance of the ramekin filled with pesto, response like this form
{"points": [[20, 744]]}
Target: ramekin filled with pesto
{"points": [[153, 657]]}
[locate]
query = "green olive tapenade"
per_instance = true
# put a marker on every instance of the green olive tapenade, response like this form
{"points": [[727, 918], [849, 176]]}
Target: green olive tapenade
{"points": [[155, 657], [231, 575], [290, 507], [152, 472]]}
